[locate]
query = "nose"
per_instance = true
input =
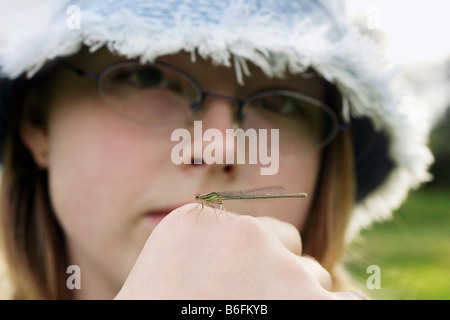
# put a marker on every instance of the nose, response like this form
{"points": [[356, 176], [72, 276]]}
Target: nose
{"points": [[217, 115], [220, 111]]}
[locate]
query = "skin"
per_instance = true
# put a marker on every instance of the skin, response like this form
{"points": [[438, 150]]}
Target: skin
{"points": [[112, 181]]}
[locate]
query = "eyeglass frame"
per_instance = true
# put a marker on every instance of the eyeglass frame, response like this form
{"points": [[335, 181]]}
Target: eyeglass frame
{"points": [[197, 106]]}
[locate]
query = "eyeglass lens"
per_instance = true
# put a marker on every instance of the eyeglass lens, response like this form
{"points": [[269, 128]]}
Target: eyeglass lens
{"points": [[161, 95]]}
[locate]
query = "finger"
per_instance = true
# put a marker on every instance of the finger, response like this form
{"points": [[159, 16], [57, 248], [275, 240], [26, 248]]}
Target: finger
{"points": [[350, 295], [287, 233], [319, 273]]}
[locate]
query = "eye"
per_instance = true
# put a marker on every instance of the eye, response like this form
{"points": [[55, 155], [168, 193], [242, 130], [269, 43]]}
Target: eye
{"points": [[144, 77], [279, 104]]}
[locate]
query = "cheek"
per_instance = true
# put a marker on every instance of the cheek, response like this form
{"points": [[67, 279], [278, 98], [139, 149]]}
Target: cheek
{"points": [[297, 174], [300, 171], [99, 165]]}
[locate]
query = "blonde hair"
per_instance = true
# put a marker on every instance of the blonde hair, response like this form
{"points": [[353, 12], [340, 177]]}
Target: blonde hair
{"points": [[324, 233], [34, 243]]}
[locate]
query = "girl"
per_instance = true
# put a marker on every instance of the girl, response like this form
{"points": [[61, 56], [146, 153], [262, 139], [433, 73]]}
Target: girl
{"points": [[91, 96]]}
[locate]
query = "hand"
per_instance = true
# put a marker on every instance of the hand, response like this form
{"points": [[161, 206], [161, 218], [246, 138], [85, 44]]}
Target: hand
{"points": [[193, 256]]}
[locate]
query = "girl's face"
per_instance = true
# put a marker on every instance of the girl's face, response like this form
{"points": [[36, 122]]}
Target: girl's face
{"points": [[112, 180]]}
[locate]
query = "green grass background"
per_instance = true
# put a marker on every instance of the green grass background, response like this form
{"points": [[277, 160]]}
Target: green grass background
{"points": [[412, 250]]}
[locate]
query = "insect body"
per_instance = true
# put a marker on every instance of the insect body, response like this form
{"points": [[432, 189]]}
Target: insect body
{"points": [[271, 192]]}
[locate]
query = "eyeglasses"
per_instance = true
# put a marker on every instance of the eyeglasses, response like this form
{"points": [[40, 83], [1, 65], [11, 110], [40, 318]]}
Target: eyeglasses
{"points": [[162, 95]]}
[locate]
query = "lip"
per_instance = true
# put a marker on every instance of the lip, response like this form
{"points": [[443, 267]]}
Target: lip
{"points": [[155, 216]]}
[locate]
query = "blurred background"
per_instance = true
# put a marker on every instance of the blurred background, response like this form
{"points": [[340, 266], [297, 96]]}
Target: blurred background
{"points": [[412, 250]]}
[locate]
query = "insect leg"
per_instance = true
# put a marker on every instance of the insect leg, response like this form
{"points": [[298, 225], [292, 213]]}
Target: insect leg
{"points": [[198, 203], [200, 210], [226, 213]]}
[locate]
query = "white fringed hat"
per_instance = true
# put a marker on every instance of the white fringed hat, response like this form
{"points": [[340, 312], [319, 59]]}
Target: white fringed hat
{"points": [[279, 36]]}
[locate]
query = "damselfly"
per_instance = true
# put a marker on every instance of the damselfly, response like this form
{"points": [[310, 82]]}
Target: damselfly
{"points": [[271, 192]]}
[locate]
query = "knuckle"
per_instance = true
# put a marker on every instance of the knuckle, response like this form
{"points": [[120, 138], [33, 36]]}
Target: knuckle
{"points": [[245, 228], [290, 236], [322, 294], [318, 272], [286, 232], [351, 295]]}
